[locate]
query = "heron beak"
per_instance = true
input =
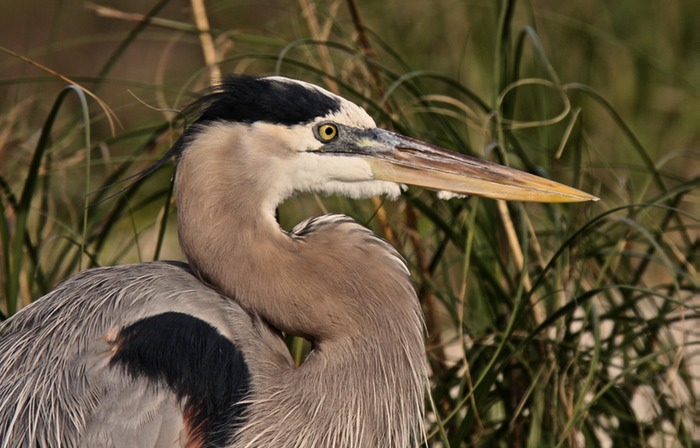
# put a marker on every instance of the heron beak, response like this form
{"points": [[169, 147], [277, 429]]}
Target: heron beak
{"points": [[396, 158]]}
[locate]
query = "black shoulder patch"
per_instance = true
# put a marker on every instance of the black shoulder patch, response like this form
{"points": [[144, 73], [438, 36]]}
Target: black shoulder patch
{"points": [[202, 367], [247, 99]]}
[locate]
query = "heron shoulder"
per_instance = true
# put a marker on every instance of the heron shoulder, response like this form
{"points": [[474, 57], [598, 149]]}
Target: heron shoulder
{"points": [[124, 346], [192, 360]]}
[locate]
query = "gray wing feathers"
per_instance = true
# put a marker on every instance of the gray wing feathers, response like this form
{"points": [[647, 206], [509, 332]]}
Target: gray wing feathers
{"points": [[138, 416], [56, 386]]}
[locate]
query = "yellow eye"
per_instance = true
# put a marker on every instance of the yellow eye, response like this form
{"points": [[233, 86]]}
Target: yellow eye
{"points": [[327, 132]]}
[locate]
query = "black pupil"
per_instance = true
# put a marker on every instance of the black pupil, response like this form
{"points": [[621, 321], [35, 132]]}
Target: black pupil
{"points": [[329, 130]]}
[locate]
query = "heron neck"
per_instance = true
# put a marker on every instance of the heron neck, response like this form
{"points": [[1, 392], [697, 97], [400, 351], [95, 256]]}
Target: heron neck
{"points": [[331, 281], [346, 394], [303, 286]]}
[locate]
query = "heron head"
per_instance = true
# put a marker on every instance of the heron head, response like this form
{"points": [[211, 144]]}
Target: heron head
{"points": [[300, 137]]}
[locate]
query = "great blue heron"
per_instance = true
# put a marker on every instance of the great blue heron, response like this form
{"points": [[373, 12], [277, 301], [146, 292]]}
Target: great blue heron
{"points": [[170, 354]]}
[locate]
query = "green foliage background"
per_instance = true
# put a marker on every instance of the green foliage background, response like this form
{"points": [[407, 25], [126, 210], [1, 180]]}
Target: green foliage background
{"points": [[549, 325]]}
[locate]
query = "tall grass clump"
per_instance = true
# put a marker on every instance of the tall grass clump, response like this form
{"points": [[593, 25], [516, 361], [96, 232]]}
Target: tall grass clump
{"points": [[548, 324]]}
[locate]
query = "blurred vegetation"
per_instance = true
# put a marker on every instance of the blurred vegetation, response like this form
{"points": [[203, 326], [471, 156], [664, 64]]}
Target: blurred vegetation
{"points": [[549, 325]]}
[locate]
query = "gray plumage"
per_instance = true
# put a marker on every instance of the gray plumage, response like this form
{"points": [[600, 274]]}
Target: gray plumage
{"points": [[170, 354]]}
